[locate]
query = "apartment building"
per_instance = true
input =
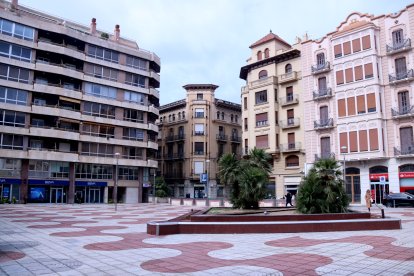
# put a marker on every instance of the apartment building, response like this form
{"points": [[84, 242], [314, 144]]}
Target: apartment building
{"points": [[359, 103], [77, 110], [272, 109], [193, 134]]}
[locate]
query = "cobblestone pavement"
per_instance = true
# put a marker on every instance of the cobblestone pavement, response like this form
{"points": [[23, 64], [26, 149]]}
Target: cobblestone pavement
{"points": [[96, 240]]}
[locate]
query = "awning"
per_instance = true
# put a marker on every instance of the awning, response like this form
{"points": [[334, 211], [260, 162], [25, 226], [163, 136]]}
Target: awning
{"points": [[69, 100]]}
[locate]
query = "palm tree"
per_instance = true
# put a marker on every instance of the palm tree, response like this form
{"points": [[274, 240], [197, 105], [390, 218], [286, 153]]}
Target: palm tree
{"points": [[253, 181], [260, 158], [322, 190], [229, 168]]}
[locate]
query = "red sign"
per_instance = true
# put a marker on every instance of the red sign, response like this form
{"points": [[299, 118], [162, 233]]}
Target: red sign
{"points": [[376, 176], [406, 174]]}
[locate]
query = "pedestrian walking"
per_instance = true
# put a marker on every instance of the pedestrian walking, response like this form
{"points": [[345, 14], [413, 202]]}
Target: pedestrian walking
{"points": [[289, 199], [368, 200]]}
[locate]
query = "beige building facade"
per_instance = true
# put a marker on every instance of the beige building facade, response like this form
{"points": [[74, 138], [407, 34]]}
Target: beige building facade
{"points": [[272, 110], [359, 103], [77, 111], [194, 133]]}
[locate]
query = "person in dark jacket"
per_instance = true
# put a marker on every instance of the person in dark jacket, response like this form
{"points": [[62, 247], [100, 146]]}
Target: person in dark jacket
{"points": [[289, 199]]}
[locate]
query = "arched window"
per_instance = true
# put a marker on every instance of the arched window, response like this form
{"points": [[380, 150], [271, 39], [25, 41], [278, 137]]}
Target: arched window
{"points": [[173, 117], [288, 68], [259, 55], [262, 74], [236, 118], [231, 118], [292, 161], [320, 59], [407, 168], [222, 116], [378, 169], [218, 115], [266, 53], [160, 119], [183, 115], [169, 118], [179, 115]]}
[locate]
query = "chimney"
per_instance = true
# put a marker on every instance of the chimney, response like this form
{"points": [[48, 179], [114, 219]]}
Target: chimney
{"points": [[93, 26], [14, 4], [117, 32]]}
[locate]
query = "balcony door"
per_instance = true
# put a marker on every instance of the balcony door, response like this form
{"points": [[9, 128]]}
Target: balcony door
{"points": [[400, 68], [397, 37], [320, 59], [403, 102], [323, 115], [291, 140], [322, 86], [406, 140], [325, 147]]}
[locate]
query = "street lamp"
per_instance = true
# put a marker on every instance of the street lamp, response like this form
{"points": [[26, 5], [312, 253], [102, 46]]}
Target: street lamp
{"points": [[208, 176], [153, 186], [344, 149], [115, 194]]}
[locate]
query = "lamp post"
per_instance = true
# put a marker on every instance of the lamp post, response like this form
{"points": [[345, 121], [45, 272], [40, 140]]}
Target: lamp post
{"points": [[153, 186], [208, 176], [344, 149], [115, 194]]}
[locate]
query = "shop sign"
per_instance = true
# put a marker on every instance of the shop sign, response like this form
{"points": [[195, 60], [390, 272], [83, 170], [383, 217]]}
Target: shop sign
{"points": [[378, 176], [48, 182], [10, 181], [91, 183], [406, 174], [146, 185]]}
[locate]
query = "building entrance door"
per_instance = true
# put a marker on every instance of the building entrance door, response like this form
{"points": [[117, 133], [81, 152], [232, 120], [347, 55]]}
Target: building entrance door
{"points": [[56, 195], [353, 184], [94, 195]]}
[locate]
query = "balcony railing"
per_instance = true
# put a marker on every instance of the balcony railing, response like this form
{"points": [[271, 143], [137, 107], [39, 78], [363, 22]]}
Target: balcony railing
{"points": [[172, 138], [407, 150], [173, 156], [399, 47], [291, 99], [325, 156], [290, 123], [323, 124], [406, 111], [235, 139], [320, 68], [263, 81], [401, 76], [322, 94], [291, 76], [221, 137], [290, 147], [198, 152]]}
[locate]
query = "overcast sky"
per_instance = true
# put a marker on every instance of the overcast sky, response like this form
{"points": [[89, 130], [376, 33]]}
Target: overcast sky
{"points": [[207, 41]]}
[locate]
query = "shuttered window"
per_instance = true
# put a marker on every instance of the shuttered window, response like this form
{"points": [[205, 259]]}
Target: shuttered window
{"points": [[262, 141], [338, 50], [341, 108], [366, 42], [373, 139], [349, 75], [358, 73], [347, 48], [356, 45], [361, 104], [363, 140], [339, 77], [371, 102], [369, 73], [351, 106], [343, 142], [353, 141]]}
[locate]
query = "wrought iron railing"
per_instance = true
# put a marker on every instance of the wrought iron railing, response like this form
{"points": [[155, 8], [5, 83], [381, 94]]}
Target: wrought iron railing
{"points": [[290, 122], [295, 146], [395, 47], [291, 99], [404, 151], [221, 137], [409, 74], [318, 68], [326, 123], [322, 93], [403, 111]]}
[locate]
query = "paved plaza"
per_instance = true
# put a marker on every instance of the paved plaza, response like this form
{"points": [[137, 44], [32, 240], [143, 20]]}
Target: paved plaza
{"points": [[96, 240]]}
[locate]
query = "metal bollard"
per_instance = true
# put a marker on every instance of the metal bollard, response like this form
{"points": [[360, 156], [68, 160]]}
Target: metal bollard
{"points": [[382, 213]]}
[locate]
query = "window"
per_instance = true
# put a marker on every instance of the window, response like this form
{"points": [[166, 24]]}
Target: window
{"points": [[199, 129], [183, 115], [13, 73], [262, 74], [173, 117], [199, 96], [292, 161], [231, 118], [93, 171], [134, 97], [133, 115], [371, 102], [291, 140], [261, 97], [17, 30], [363, 140], [261, 119], [245, 102], [400, 68], [339, 77], [266, 53], [350, 102], [11, 141], [13, 96], [290, 117], [10, 167], [98, 130], [12, 118], [289, 94], [322, 87], [99, 110], [369, 73], [218, 115], [222, 116], [136, 62], [199, 113], [103, 72], [338, 50], [128, 173], [353, 141], [397, 37], [198, 148], [259, 55], [100, 90], [48, 169], [130, 133], [262, 141], [373, 139], [96, 149], [236, 118], [358, 73], [347, 48], [245, 124], [103, 53], [288, 68], [366, 42], [356, 45], [341, 108], [135, 80], [349, 75], [320, 60], [324, 115], [198, 167], [15, 51], [361, 104], [403, 102]]}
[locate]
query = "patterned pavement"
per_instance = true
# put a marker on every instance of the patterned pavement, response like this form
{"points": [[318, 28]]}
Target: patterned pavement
{"points": [[96, 240]]}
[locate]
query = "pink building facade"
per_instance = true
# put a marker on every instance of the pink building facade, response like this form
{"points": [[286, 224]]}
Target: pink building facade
{"points": [[358, 86]]}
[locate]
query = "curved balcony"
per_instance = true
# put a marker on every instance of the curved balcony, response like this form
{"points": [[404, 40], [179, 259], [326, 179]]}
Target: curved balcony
{"points": [[289, 100], [322, 94], [289, 123], [401, 76], [291, 147], [288, 77], [263, 82], [235, 139], [221, 137], [321, 68], [403, 112], [407, 150], [323, 124], [399, 47]]}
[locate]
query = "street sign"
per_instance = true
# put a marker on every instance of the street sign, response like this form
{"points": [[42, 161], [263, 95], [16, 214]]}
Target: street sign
{"points": [[382, 179], [203, 178]]}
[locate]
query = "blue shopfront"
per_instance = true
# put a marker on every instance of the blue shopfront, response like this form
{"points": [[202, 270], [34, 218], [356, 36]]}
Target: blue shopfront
{"points": [[9, 189], [48, 191], [90, 191]]}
